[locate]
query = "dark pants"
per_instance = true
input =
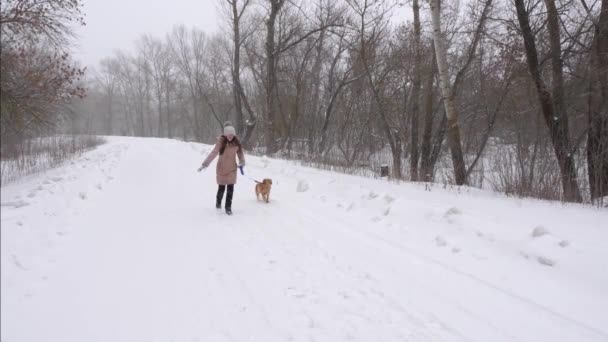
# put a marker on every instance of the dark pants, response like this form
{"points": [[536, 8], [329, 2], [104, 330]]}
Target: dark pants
{"points": [[220, 195]]}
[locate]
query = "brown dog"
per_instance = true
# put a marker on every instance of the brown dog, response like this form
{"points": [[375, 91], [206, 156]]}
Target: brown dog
{"points": [[263, 188]]}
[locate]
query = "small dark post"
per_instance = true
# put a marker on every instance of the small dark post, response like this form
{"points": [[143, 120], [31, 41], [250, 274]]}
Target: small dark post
{"points": [[384, 171]]}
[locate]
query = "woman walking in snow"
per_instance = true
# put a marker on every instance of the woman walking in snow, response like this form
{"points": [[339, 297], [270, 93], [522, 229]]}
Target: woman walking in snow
{"points": [[229, 147]]}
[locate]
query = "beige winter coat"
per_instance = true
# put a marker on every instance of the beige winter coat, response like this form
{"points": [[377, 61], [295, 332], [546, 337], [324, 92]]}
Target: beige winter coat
{"points": [[226, 164]]}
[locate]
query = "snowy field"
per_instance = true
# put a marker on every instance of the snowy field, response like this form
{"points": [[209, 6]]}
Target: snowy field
{"points": [[124, 244]]}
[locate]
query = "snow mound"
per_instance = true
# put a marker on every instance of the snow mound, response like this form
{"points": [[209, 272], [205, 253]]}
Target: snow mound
{"points": [[303, 186], [539, 231]]}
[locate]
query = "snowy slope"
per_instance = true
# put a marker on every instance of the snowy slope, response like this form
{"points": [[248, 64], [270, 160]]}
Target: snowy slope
{"points": [[124, 244]]}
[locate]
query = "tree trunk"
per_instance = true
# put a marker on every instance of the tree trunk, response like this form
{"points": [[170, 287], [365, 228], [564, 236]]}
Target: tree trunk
{"points": [[560, 118], [453, 130], [148, 108], [110, 113], [415, 95], [597, 138], [195, 115], [393, 139], [250, 126], [236, 69], [169, 124], [141, 126], [160, 112], [334, 91], [271, 105], [328, 113], [426, 166], [556, 121], [316, 83]]}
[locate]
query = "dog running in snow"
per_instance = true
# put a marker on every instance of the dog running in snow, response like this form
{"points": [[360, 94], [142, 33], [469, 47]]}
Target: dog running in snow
{"points": [[263, 189]]}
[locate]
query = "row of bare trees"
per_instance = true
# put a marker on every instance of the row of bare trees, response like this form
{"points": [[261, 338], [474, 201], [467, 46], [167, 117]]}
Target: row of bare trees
{"points": [[38, 77], [38, 82], [342, 82]]}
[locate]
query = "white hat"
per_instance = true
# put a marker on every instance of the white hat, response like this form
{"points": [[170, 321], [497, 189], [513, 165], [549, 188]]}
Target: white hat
{"points": [[229, 130]]}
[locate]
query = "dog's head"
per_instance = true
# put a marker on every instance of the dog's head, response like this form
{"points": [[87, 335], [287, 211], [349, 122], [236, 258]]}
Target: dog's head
{"points": [[267, 181]]}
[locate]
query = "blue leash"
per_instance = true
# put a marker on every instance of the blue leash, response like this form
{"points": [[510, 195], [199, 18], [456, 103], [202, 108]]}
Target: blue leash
{"points": [[243, 173]]}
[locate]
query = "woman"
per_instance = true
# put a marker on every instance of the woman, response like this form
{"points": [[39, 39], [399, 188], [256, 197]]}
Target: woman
{"points": [[228, 146]]}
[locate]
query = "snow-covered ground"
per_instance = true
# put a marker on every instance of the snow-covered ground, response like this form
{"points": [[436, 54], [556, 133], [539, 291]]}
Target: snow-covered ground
{"points": [[124, 244]]}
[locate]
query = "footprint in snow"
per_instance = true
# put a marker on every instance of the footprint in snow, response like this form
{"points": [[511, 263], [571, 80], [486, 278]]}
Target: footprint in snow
{"points": [[440, 241], [15, 204], [389, 199], [545, 261], [450, 213], [345, 295], [366, 276], [17, 262], [293, 292], [484, 258]]}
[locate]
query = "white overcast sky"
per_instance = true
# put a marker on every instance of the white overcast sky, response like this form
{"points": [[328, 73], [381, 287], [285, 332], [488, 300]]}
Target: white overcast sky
{"points": [[116, 24]]}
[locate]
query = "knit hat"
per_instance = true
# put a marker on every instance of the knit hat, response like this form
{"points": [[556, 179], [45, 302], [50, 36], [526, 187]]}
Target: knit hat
{"points": [[228, 128]]}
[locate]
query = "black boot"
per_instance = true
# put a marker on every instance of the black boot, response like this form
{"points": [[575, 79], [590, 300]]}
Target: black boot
{"points": [[220, 195], [229, 199]]}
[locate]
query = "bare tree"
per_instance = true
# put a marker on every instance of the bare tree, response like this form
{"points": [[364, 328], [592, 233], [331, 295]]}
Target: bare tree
{"points": [[108, 78], [448, 97], [26, 21], [551, 105], [426, 160], [271, 77], [38, 77], [189, 49], [414, 157], [597, 138], [337, 81], [237, 12], [371, 26]]}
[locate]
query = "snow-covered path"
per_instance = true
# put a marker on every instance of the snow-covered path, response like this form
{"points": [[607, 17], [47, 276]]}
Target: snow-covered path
{"points": [[124, 244]]}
